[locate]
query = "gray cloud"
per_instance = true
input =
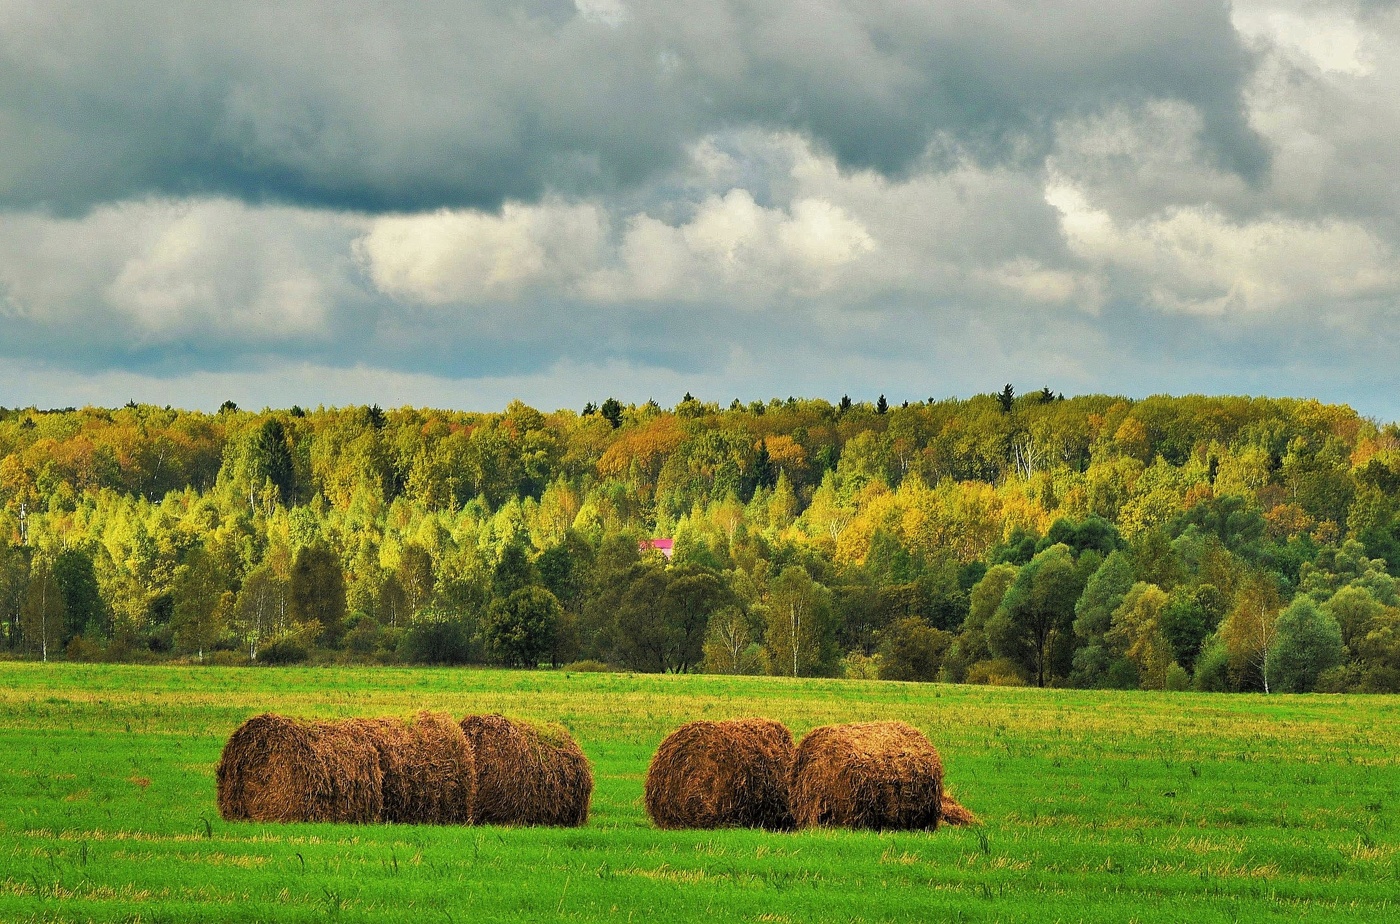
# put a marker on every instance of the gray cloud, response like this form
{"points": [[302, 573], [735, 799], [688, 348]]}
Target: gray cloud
{"points": [[409, 106], [446, 204]]}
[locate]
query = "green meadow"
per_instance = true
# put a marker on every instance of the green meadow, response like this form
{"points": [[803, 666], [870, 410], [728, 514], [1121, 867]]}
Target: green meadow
{"points": [[1097, 806]]}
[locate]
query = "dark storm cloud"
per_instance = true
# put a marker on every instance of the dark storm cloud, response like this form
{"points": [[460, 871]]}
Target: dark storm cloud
{"points": [[422, 105]]}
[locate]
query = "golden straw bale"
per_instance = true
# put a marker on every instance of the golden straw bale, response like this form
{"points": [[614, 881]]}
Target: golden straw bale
{"points": [[527, 774], [275, 768], [880, 775], [428, 770], [722, 774]]}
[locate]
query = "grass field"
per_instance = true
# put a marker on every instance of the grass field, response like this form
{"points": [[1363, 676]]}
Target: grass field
{"points": [[1097, 807]]}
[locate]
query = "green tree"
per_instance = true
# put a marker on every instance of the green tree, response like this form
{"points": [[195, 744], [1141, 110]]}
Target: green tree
{"points": [[520, 629], [14, 578], [799, 625], [692, 594], [1034, 626], [730, 646], [317, 591], [84, 610], [270, 460], [1186, 621], [911, 649], [1137, 633], [1308, 642], [1103, 594], [514, 571], [260, 611], [198, 615], [1353, 608], [414, 576], [42, 618], [612, 412], [971, 646]]}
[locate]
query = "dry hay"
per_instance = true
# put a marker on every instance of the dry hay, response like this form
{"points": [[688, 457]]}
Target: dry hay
{"points": [[278, 769], [955, 813], [427, 766], [722, 774], [880, 775], [527, 774]]}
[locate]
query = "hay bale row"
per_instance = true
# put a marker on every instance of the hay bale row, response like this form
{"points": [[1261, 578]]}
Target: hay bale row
{"points": [[431, 770], [722, 774], [528, 774], [746, 773], [489, 769]]}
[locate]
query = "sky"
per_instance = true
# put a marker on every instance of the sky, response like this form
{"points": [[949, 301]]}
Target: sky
{"points": [[458, 204]]}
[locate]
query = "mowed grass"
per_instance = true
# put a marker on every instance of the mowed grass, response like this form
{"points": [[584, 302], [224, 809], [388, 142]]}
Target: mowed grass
{"points": [[1097, 806]]}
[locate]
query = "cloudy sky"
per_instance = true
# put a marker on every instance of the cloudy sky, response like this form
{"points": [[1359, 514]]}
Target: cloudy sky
{"points": [[456, 204]]}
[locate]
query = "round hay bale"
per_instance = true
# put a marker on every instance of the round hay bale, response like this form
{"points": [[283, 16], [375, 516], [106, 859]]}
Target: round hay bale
{"points": [[722, 774], [278, 769], [880, 775], [955, 814], [527, 774], [427, 766]]}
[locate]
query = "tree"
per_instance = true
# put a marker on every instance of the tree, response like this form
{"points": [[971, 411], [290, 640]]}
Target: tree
{"points": [[1007, 398], [514, 571], [42, 618], [260, 610], [644, 636], [271, 460], [317, 591], [1034, 626], [911, 649], [798, 636], [1102, 595], [1186, 623], [1250, 631], [14, 578], [765, 473], [1308, 642], [437, 637], [82, 600], [729, 643], [200, 609], [971, 644], [520, 629], [612, 412], [882, 406], [1137, 633], [1353, 608], [415, 576]]}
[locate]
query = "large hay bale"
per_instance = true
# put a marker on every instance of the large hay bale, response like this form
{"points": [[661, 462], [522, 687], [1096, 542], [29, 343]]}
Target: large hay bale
{"points": [[428, 769], [880, 775], [722, 774], [278, 769], [956, 814], [527, 774]]}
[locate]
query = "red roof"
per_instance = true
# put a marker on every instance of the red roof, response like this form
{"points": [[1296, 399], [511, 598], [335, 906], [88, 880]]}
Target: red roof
{"points": [[657, 545]]}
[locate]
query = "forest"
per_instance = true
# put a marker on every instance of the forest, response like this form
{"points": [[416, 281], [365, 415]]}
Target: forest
{"points": [[1169, 543]]}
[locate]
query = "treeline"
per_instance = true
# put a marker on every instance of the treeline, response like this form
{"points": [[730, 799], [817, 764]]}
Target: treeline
{"points": [[1215, 543]]}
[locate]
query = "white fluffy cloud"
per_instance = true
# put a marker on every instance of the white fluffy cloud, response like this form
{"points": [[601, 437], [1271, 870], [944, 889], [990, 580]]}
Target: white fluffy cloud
{"points": [[167, 270], [730, 247], [1197, 260], [456, 256]]}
